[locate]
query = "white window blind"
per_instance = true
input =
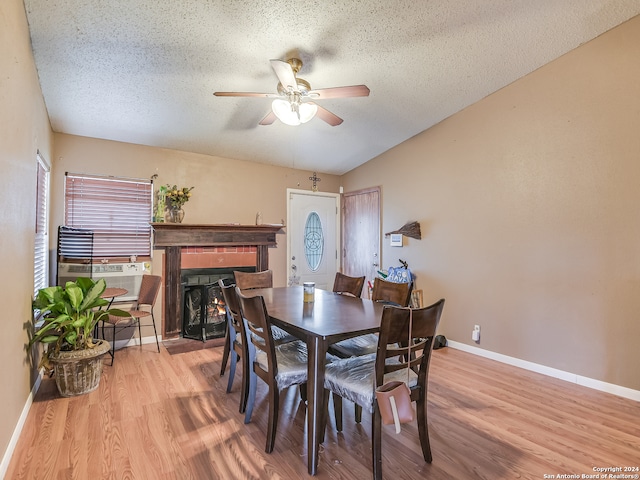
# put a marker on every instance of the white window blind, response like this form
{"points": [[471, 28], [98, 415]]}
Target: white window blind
{"points": [[118, 211], [41, 253]]}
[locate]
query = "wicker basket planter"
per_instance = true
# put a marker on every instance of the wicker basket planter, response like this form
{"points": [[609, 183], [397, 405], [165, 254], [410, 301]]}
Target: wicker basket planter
{"points": [[78, 372]]}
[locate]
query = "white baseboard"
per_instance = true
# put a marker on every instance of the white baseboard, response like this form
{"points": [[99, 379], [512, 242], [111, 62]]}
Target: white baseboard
{"points": [[135, 341], [4, 466], [551, 372]]}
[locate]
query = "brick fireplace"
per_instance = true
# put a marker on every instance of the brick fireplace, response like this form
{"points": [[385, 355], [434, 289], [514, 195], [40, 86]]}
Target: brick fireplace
{"points": [[203, 313], [196, 246]]}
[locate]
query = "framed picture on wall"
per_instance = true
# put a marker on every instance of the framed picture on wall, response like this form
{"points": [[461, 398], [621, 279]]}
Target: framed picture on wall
{"points": [[416, 299]]}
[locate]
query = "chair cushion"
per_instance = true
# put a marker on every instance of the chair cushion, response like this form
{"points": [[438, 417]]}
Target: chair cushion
{"points": [[281, 336], [115, 320], [356, 346], [139, 313], [354, 379], [292, 363]]}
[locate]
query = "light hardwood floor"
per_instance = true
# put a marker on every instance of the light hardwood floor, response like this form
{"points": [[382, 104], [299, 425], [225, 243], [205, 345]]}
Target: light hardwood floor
{"points": [[162, 416]]}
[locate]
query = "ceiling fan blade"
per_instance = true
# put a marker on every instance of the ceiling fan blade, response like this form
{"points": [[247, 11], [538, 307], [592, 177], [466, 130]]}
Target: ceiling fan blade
{"points": [[245, 94], [324, 114], [268, 119], [285, 74], [340, 92]]}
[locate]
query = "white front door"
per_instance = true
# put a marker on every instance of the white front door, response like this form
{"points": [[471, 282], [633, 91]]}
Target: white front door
{"points": [[312, 237]]}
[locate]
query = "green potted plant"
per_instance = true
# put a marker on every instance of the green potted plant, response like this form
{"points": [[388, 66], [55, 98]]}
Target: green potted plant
{"points": [[65, 318]]}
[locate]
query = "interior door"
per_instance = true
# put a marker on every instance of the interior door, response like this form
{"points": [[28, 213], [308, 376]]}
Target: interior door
{"points": [[312, 237], [361, 234]]}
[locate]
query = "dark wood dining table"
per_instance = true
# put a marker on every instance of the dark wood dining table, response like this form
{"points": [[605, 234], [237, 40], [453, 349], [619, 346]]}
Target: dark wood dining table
{"points": [[329, 319]]}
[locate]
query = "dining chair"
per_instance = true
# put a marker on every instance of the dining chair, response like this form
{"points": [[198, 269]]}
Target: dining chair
{"points": [[346, 285], [149, 288], [390, 293], [356, 378], [279, 366], [264, 279], [236, 343], [251, 280], [227, 339]]}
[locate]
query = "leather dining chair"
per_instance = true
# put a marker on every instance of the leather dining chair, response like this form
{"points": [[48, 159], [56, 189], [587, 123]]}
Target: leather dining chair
{"points": [[346, 285], [356, 378], [279, 366], [236, 343], [149, 288]]}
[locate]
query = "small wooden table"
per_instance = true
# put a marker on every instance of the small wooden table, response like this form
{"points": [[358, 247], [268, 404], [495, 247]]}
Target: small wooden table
{"points": [[112, 293], [329, 319], [109, 293]]}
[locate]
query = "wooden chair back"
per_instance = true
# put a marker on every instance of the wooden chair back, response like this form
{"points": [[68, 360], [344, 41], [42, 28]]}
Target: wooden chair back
{"points": [[254, 311], [346, 285], [251, 280], [394, 339], [233, 306], [391, 292], [235, 347], [394, 343], [280, 369]]}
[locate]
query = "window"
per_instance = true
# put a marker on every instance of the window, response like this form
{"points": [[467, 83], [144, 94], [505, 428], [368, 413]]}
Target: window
{"points": [[313, 241], [41, 254], [117, 210]]}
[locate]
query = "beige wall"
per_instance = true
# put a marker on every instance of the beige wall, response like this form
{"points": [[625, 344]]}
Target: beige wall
{"points": [[528, 202], [24, 129], [226, 190]]}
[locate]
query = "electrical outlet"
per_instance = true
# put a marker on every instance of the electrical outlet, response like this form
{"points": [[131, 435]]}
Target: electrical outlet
{"points": [[475, 335]]}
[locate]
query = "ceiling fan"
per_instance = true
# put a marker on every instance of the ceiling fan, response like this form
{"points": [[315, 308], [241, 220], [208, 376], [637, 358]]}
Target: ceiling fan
{"points": [[294, 103]]}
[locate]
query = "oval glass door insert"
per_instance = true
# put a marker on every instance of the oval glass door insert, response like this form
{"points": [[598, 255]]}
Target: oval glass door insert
{"points": [[313, 241]]}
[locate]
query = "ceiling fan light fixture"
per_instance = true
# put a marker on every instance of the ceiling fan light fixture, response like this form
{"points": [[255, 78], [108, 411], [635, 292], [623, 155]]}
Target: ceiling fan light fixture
{"points": [[307, 111], [290, 115]]}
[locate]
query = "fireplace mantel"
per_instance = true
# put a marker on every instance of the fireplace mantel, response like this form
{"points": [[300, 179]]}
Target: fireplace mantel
{"points": [[171, 237], [202, 235]]}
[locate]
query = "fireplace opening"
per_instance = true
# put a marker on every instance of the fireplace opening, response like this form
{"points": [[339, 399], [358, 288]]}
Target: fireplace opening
{"points": [[203, 308]]}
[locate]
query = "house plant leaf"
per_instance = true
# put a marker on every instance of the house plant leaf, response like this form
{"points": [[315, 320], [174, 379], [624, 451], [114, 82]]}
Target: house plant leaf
{"points": [[64, 320]]}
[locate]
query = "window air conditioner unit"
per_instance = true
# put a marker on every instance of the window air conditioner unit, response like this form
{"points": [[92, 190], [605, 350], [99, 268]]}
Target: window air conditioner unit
{"points": [[117, 275]]}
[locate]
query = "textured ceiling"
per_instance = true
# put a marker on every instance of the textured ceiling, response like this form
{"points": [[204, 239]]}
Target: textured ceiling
{"points": [[144, 71]]}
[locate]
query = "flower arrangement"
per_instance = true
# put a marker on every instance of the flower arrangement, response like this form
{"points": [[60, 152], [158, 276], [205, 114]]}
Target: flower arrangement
{"points": [[177, 197]]}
